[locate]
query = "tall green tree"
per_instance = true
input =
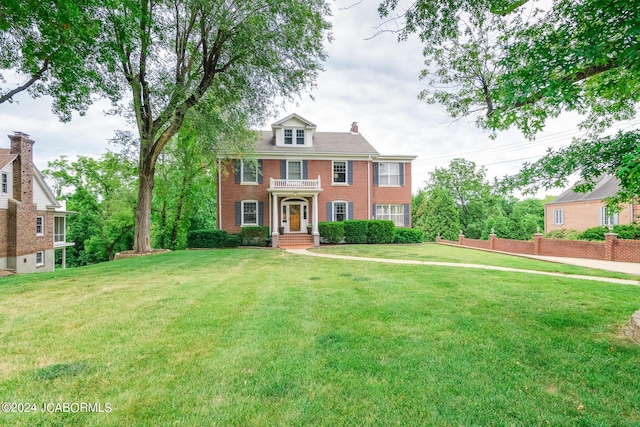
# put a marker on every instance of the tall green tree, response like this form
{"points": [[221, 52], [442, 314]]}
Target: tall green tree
{"points": [[102, 192], [174, 56], [440, 217], [467, 185], [517, 63]]}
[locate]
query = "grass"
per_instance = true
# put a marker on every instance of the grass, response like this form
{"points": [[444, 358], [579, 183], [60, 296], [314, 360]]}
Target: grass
{"points": [[261, 337], [444, 253]]}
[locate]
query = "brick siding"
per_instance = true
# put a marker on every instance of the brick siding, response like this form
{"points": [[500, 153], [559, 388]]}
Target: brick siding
{"points": [[356, 193], [515, 246]]}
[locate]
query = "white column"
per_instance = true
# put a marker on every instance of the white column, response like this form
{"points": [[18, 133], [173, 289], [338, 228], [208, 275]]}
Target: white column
{"points": [[315, 213], [274, 213], [64, 257]]}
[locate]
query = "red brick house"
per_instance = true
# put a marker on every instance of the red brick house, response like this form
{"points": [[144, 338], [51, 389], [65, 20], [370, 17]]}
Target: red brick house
{"points": [[579, 211], [32, 222], [302, 177]]}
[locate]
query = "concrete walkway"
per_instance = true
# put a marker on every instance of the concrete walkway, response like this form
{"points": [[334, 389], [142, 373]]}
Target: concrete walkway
{"points": [[476, 266]]}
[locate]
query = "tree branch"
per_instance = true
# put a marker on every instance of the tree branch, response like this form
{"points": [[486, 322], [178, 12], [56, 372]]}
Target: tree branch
{"points": [[35, 77]]}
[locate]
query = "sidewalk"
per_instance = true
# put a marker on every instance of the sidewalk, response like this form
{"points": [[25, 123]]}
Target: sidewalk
{"points": [[620, 267], [480, 266]]}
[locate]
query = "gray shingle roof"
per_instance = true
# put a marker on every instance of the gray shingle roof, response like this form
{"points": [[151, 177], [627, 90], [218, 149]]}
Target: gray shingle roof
{"points": [[606, 186], [323, 142]]}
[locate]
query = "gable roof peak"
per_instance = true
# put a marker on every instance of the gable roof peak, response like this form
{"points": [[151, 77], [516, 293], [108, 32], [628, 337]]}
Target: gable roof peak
{"points": [[280, 122]]}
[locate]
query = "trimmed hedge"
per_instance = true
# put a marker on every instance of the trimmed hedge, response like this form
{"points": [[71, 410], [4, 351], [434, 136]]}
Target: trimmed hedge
{"points": [[407, 235], [212, 239], [380, 231], [255, 235], [331, 232], [624, 231], [355, 231]]}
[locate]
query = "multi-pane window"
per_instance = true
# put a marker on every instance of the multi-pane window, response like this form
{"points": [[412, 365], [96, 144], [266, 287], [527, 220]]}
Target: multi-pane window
{"points": [[5, 183], [300, 136], [339, 211], [249, 213], [40, 225], [294, 170], [59, 229], [394, 213], [389, 174], [607, 217], [558, 217], [39, 258], [249, 172], [340, 172], [288, 136]]}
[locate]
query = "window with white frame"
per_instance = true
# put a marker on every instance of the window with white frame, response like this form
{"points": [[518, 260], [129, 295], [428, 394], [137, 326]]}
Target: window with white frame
{"points": [[294, 169], [558, 217], [394, 213], [39, 225], [339, 172], [339, 211], [59, 229], [249, 172], [608, 217], [5, 183], [249, 212], [299, 136], [288, 136], [39, 258], [389, 174]]}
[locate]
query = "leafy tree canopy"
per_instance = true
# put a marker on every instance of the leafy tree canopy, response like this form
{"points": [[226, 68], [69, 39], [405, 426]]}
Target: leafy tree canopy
{"points": [[514, 63]]}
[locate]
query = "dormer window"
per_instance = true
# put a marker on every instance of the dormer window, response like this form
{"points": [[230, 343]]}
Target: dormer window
{"points": [[288, 136], [300, 136]]}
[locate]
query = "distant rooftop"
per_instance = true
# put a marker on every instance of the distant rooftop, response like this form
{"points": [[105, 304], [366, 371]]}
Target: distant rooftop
{"points": [[606, 186]]}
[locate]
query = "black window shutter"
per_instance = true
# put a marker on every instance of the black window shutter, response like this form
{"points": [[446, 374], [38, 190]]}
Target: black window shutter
{"points": [[376, 178], [407, 214], [329, 211], [260, 213], [283, 169], [350, 212], [401, 170], [259, 172], [350, 172], [238, 213], [236, 165], [305, 169]]}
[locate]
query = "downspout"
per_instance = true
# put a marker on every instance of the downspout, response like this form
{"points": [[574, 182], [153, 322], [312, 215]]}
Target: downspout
{"points": [[369, 187], [219, 201]]}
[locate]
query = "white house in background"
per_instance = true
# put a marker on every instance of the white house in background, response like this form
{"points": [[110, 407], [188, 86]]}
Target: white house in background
{"points": [[32, 221]]}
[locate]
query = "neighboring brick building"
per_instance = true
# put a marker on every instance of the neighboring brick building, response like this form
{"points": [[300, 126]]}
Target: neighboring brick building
{"points": [[579, 211], [302, 177], [31, 228]]}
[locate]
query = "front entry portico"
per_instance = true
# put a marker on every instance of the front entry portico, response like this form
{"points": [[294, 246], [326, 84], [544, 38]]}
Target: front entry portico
{"points": [[294, 206]]}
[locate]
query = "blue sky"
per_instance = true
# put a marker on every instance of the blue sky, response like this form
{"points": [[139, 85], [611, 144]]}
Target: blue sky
{"points": [[370, 80]]}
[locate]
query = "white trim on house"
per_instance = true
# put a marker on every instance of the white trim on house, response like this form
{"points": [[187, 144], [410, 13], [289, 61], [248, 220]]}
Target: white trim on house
{"points": [[243, 213], [397, 216], [39, 225], [345, 172], [255, 173], [39, 258], [388, 174], [334, 210], [558, 217]]}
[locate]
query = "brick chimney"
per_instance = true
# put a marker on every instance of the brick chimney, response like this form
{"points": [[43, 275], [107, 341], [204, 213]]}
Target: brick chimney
{"points": [[22, 167], [354, 128]]}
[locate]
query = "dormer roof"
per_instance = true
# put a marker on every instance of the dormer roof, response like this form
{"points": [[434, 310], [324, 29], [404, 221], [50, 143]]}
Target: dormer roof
{"points": [[299, 118]]}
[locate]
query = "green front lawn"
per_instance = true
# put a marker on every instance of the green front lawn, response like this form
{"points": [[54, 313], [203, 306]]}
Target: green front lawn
{"points": [[445, 253], [262, 337]]}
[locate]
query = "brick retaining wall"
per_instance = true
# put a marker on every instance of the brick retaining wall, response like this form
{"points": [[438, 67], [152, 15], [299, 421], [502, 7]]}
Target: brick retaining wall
{"points": [[612, 249]]}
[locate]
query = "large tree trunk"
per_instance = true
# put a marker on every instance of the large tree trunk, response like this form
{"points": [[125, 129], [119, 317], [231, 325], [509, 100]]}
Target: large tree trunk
{"points": [[142, 240]]}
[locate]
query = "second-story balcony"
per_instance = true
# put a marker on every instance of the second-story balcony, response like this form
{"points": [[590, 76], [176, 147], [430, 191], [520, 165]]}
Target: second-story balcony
{"points": [[295, 184]]}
